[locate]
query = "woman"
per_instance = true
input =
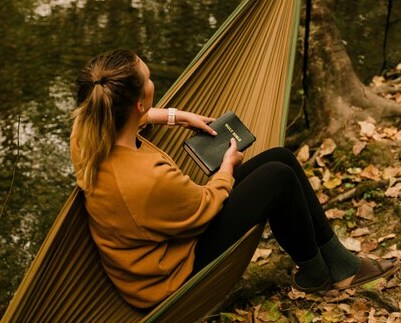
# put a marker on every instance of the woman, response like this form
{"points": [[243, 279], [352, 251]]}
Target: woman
{"points": [[154, 227]]}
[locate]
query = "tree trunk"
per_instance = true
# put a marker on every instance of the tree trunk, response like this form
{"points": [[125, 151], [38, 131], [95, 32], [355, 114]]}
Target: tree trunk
{"points": [[338, 99]]}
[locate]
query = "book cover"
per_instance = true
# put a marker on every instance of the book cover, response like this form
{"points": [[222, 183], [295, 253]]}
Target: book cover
{"points": [[208, 151]]}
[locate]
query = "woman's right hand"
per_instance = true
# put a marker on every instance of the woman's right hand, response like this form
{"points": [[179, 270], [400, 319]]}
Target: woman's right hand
{"points": [[231, 158]]}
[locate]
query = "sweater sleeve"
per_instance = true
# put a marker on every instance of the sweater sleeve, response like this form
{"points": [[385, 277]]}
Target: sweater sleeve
{"points": [[179, 207]]}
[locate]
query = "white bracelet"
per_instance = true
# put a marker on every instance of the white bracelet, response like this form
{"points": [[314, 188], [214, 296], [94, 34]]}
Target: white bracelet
{"points": [[171, 116]]}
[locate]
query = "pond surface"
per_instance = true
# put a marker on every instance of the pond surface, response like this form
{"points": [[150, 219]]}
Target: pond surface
{"points": [[44, 43]]}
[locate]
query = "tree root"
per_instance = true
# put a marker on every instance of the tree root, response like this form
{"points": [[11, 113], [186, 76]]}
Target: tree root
{"points": [[361, 189], [380, 299]]}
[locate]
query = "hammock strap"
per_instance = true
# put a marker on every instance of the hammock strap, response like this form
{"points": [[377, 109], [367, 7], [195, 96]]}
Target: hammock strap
{"points": [[386, 30], [305, 62]]}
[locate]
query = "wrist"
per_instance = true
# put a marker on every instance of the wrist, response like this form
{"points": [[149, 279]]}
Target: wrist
{"points": [[171, 116], [227, 168], [181, 117]]}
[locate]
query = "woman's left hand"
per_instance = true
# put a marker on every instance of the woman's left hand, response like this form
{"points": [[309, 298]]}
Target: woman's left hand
{"points": [[194, 121]]}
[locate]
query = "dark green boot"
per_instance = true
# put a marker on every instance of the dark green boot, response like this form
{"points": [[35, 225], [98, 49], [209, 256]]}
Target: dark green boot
{"points": [[341, 262], [312, 276]]}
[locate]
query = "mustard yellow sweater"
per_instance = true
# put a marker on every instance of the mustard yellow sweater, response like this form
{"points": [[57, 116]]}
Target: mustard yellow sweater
{"points": [[145, 217]]}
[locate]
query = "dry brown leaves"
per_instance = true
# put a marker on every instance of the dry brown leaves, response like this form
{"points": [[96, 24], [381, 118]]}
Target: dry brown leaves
{"points": [[389, 84], [323, 180]]}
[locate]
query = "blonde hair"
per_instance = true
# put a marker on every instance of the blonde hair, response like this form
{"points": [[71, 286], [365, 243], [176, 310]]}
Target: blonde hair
{"points": [[108, 86]]}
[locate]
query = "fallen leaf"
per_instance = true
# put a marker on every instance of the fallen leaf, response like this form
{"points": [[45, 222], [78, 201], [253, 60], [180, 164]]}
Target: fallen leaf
{"points": [[315, 182], [368, 129], [369, 245], [326, 175], [393, 254], [327, 147], [371, 172], [268, 312], [360, 232], [371, 120], [364, 202], [336, 297], [394, 317], [358, 147], [242, 312], [394, 191], [303, 154], [390, 132], [231, 317], [309, 172], [365, 211], [378, 136], [371, 318], [392, 282], [354, 170], [361, 305], [295, 294], [261, 253], [320, 161], [397, 136], [335, 214], [323, 198], [334, 315], [390, 172], [378, 284], [359, 309], [389, 236], [351, 244], [345, 307], [332, 183], [303, 316], [378, 80]]}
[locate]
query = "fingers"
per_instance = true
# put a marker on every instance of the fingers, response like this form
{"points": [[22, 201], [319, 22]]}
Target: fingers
{"points": [[205, 127], [209, 130], [207, 119], [233, 144], [196, 121], [234, 148]]}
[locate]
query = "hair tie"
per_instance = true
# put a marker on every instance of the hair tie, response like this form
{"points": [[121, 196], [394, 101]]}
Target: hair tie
{"points": [[101, 82]]}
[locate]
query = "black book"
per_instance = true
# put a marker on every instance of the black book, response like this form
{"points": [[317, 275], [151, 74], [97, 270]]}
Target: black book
{"points": [[208, 151]]}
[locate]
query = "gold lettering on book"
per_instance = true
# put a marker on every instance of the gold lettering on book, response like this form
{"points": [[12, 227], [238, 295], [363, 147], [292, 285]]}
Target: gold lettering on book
{"points": [[233, 133]]}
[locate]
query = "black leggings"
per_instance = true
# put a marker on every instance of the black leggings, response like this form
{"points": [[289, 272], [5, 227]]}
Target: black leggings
{"points": [[271, 186]]}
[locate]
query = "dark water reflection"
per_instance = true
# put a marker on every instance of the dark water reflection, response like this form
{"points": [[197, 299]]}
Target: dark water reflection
{"points": [[43, 45]]}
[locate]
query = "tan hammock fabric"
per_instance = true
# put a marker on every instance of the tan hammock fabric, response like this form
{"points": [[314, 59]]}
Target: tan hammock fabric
{"points": [[246, 67]]}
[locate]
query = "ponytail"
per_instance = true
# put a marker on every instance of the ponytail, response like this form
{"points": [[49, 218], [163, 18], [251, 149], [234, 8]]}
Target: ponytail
{"points": [[107, 89]]}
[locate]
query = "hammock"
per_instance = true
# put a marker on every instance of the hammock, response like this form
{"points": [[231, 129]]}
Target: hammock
{"points": [[245, 67]]}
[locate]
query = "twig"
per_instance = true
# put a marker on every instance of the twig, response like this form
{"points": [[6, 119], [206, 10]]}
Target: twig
{"points": [[356, 191], [14, 170], [380, 299]]}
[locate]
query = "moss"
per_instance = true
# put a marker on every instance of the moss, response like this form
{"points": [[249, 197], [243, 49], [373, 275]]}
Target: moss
{"points": [[343, 157], [378, 153]]}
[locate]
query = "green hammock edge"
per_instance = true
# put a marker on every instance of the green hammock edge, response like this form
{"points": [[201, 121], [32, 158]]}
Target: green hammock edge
{"points": [[293, 50]]}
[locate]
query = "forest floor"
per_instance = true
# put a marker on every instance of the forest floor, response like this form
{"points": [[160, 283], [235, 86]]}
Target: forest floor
{"points": [[359, 186]]}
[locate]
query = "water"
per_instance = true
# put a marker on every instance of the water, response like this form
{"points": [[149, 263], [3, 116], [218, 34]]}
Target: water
{"points": [[44, 43]]}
